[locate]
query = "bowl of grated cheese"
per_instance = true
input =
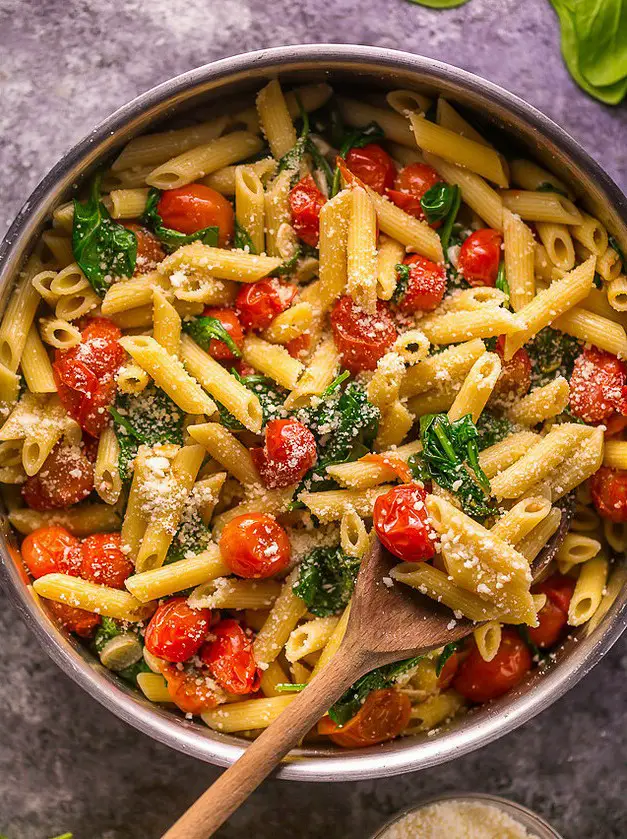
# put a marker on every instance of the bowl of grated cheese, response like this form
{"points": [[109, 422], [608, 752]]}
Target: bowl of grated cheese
{"points": [[467, 816]]}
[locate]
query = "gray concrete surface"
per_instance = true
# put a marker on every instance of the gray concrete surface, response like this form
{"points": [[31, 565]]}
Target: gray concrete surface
{"points": [[65, 762]]}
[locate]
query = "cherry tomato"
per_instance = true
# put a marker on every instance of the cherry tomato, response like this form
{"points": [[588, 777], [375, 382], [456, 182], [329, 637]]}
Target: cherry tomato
{"points": [[383, 716], [230, 321], [288, 454], [74, 620], [480, 681], [149, 250], [514, 379], [65, 478], [449, 671], [614, 425], [425, 287], [104, 562], [608, 488], [410, 185], [191, 208], [191, 689], [176, 632], [598, 385], [50, 550], [479, 257], [306, 201], [373, 166], [255, 546], [360, 338], [559, 590], [259, 303], [299, 346], [401, 522], [230, 658], [85, 374]]}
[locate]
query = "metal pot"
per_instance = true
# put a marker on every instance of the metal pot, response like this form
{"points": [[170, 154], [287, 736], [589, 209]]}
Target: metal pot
{"points": [[372, 70]]}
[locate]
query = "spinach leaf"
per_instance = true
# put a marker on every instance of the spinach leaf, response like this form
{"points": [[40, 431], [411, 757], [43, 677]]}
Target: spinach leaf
{"points": [[451, 453], [446, 653], [242, 240], [269, 394], [107, 630], [204, 330], [149, 417], [552, 354], [356, 139], [130, 674], [103, 248], [326, 580], [492, 429], [173, 239], [601, 27], [383, 677], [402, 281], [501, 282], [613, 243], [441, 203]]}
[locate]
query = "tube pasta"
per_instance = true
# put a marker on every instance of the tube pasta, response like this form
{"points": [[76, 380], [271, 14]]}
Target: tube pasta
{"points": [[81, 594], [177, 576], [309, 637], [131, 378], [362, 252], [248, 715], [488, 639], [412, 346], [154, 687], [107, 480], [331, 505], [476, 388], [521, 519], [167, 323], [448, 117], [575, 549], [558, 242], [231, 593], [519, 260], [395, 127], [360, 474], [209, 262], [153, 149], [249, 205], [479, 196], [615, 454], [18, 317], [530, 176], [589, 590], [227, 450], [542, 206], [317, 376], [274, 117], [617, 294], [452, 327], [541, 404], [223, 180], [390, 254], [353, 534], [445, 371], [593, 329], [36, 365], [591, 233], [273, 360], [289, 324], [287, 610]]}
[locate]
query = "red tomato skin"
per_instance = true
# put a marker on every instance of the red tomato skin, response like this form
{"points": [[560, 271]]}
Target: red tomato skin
{"points": [[551, 624], [401, 523], [608, 488], [191, 208], [288, 454], [480, 681], [598, 385], [383, 716], [410, 185], [257, 304], [514, 379], [65, 478], [50, 550], [448, 672], [426, 286], [104, 562], [373, 166], [176, 632], [361, 339], [230, 321], [230, 658], [149, 250], [74, 620], [479, 257], [306, 201], [189, 689], [559, 590], [255, 546], [298, 347]]}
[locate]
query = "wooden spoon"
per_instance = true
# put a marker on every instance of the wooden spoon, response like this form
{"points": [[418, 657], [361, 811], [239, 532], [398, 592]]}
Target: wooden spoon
{"points": [[386, 624]]}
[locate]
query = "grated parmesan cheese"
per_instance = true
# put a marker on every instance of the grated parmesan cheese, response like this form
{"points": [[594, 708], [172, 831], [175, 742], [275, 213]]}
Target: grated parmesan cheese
{"points": [[457, 819]]}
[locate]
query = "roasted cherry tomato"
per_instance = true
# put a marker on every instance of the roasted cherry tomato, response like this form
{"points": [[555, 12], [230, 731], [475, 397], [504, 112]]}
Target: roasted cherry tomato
{"points": [[229, 320], [410, 185], [191, 688], [360, 338], [614, 425], [553, 616], [288, 454], [479, 257], [85, 374], [514, 379], [608, 488], [449, 671], [74, 620], [50, 550], [191, 208], [104, 562], [255, 546], [300, 345], [306, 201], [480, 681], [426, 285], [598, 385], [65, 478], [259, 303], [149, 250], [373, 166], [176, 632], [383, 716], [230, 658], [402, 525]]}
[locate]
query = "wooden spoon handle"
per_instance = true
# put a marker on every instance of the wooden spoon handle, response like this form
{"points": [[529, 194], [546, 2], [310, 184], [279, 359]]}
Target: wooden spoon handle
{"points": [[234, 786]]}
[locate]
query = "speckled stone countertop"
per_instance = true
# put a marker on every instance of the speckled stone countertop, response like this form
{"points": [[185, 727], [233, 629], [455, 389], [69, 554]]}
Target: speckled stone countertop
{"points": [[65, 762]]}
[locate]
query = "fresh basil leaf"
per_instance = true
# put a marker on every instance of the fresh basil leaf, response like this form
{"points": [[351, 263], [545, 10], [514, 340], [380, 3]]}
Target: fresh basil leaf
{"points": [[326, 580], [501, 281], [103, 249], [173, 239], [356, 139], [242, 240], [203, 330]]}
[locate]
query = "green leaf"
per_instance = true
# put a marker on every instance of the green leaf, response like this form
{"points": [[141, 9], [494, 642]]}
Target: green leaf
{"points": [[107, 630], [356, 139], [287, 687], [130, 674], [173, 239], [501, 281], [270, 396], [320, 162], [549, 187], [103, 249], [337, 381], [446, 653], [402, 281], [204, 330], [552, 354], [326, 580], [439, 4], [601, 28], [383, 677], [492, 429], [441, 203], [242, 240]]}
